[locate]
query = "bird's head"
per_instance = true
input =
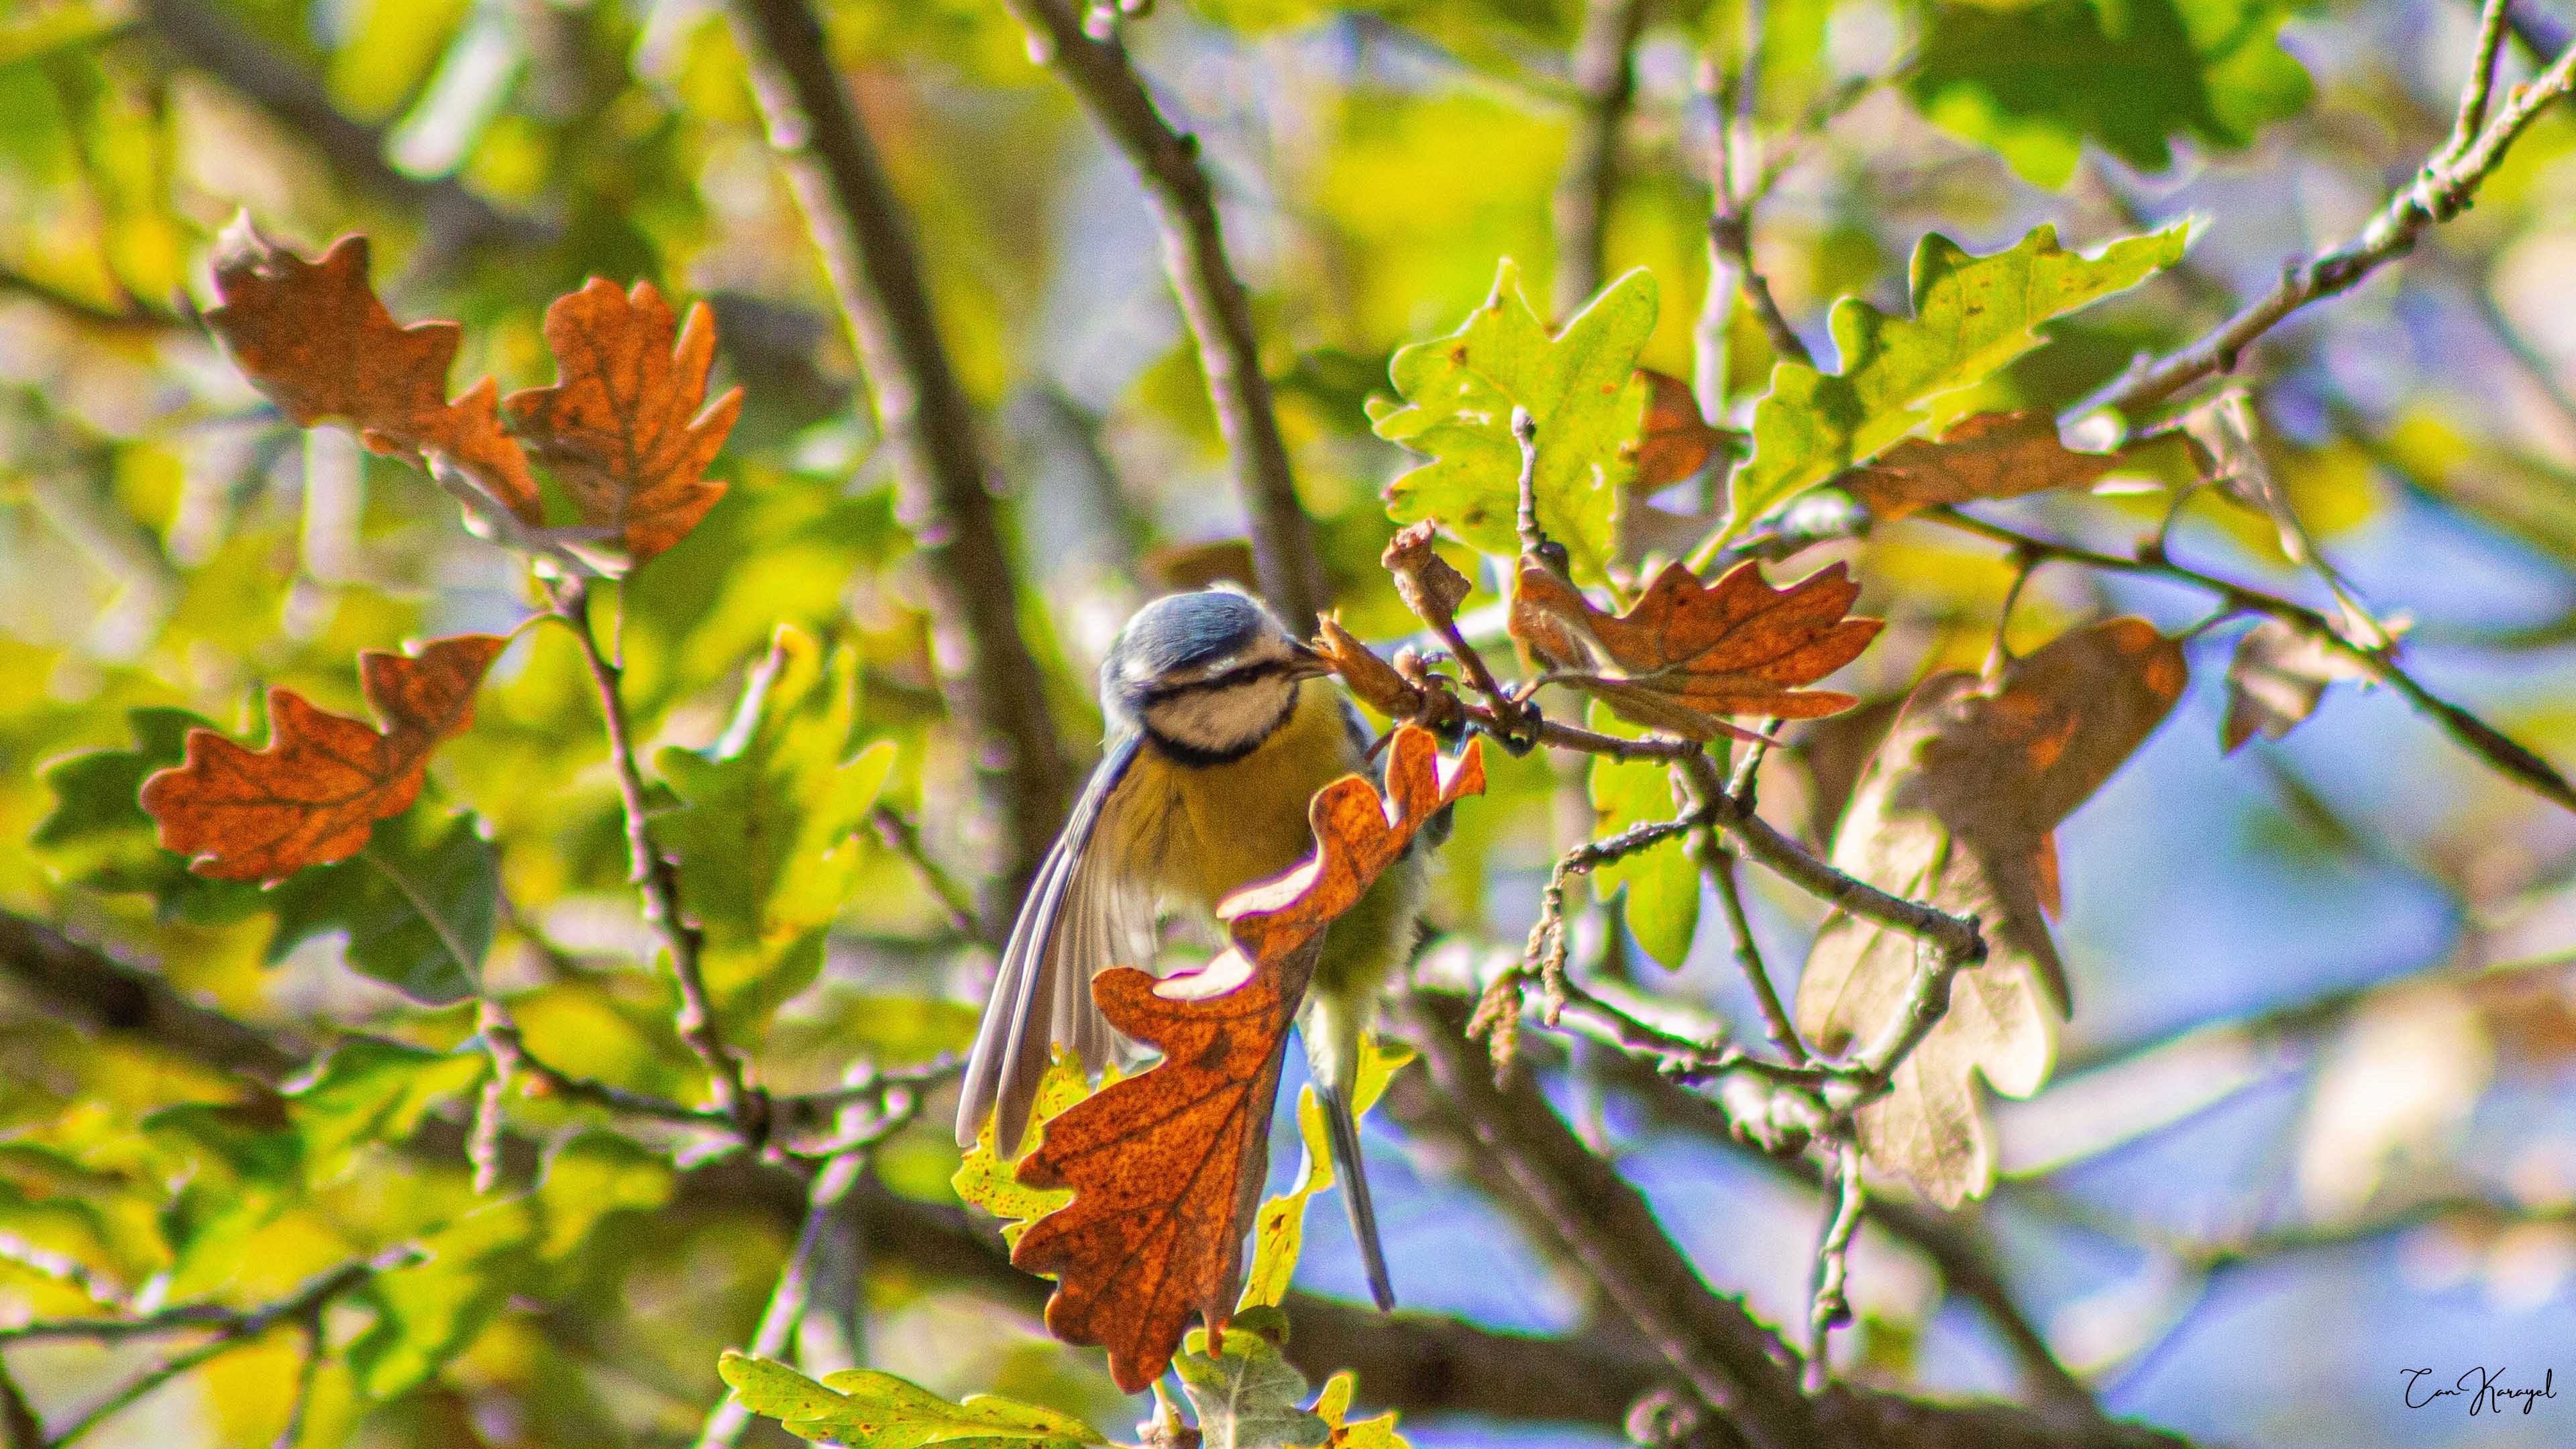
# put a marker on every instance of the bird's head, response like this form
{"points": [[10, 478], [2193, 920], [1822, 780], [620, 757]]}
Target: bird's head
{"points": [[1207, 675]]}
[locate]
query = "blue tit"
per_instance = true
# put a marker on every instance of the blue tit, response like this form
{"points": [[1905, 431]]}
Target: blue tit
{"points": [[1220, 731]]}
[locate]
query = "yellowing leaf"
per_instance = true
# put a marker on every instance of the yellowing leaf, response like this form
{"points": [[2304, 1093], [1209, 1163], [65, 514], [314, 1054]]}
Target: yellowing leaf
{"points": [[866, 1409], [1279, 1229], [1972, 316], [1580, 388], [1333, 1406], [985, 1179]]}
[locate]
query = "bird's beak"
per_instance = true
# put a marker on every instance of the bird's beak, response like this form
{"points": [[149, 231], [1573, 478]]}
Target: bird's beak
{"points": [[1305, 663]]}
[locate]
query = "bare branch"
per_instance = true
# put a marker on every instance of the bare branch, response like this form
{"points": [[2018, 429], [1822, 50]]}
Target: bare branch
{"points": [[2446, 186], [865, 239], [1212, 297], [2506, 756], [1605, 79]]}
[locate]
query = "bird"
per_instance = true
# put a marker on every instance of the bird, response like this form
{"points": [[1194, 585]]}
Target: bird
{"points": [[1220, 730]]}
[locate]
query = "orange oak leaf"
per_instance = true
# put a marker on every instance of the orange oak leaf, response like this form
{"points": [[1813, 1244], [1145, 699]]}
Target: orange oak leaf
{"points": [[314, 795], [621, 428], [1690, 652], [1166, 1166], [315, 339], [1983, 455], [1676, 440]]}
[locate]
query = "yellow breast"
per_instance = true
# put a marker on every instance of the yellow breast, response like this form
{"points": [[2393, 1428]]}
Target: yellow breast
{"points": [[1226, 826]]}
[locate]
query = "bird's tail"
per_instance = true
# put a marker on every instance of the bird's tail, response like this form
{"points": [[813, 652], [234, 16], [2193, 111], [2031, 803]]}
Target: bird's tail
{"points": [[1343, 1130]]}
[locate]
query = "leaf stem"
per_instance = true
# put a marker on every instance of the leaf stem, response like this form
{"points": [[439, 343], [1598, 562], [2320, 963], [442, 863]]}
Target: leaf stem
{"points": [[657, 879]]}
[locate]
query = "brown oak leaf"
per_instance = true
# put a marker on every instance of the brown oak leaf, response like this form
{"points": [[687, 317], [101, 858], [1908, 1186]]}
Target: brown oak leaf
{"points": [[1957, 808], [314, 795], [1676, 441], [2275, 679], [1166, 1166], [622, 428], [1429, 585], [1983, 455], [1690, 652], [315, 339]]}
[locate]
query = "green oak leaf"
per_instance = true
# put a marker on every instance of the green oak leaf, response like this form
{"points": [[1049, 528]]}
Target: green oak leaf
{"points": [[1279, 1228], [1580, 387], [765, 825], [2035, 81], [418, 905], [1662, 881], [1247, 1395], [430, 1311], [866, 1409], [98, 835], [1972, 316]]}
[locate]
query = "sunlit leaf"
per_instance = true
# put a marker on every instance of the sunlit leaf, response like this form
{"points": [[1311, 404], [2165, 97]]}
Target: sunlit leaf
{"points": [[1580, 388], [1970, 316], [866, 1409]]}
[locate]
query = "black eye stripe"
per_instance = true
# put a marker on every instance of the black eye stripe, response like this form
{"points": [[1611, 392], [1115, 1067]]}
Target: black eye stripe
{"points": [[1245, 674]]}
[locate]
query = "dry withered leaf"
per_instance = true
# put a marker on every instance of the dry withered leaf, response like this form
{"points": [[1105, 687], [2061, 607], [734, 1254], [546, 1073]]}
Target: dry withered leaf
{"points": [[314, 795], [621, 427], [1429, 586], [1983, 455], [2275, 679], [1371, 680], [315, 339], [1676, 441], [1166, 1166], [1689, 652], [1957, 809]]}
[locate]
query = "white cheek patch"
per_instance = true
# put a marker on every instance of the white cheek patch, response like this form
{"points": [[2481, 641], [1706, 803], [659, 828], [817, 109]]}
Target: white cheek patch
{"points": [[1221, 720]]}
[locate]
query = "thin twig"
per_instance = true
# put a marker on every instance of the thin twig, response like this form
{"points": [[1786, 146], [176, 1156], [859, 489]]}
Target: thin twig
{"points": [[1212, 298], [2508, 757], [903, 837], [231, 1328], [657, 878], [864, 238], [2443, 189], [2482, 70], [1730, 222], [308, 1372], [130, 315], [61, 1267], [1828, 1306], [1718, 864], [510, 1055]]}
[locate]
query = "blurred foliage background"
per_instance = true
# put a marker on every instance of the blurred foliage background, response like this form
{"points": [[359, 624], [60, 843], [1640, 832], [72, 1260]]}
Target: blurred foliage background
{"points": [[2314, 1121]]}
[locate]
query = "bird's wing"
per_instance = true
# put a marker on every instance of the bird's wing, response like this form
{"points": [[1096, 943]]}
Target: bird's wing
{"points": [[1082, 914]]}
